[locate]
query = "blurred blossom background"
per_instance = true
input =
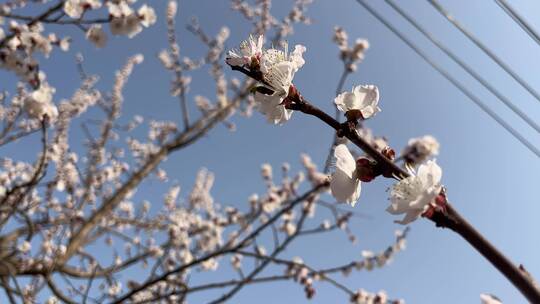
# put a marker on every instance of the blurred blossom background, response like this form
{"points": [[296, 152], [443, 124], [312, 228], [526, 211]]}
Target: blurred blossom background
{"points": [[491, 178]]}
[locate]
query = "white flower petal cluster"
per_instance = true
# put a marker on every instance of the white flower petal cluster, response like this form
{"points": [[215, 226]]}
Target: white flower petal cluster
{"points": [[17, 55], [52, 300], [421, 148], [273, 56], [96, 35], [277, 67], [363, 98], [344, 184], [126, 22], [278, 70], [24, 247], [31, 39], [76, 8], [147, 15], [413, 195], [362, 296], [271, 107], [249, 49], [351, 55], [39, 103]]}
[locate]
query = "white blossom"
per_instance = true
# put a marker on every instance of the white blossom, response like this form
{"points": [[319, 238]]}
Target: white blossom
{"points": [[210, 264], [421, 148], [119, 9], [415, 194], [64, 44], [75, 8], [340, 37], [279, 77], [236, 261], [344, 184], [25, 247], [128, 26], [171, 197], [249, 49], [52, 300], [96, 35], [147, 15], [124, 21], [273, 56], [278, 68], [39, 103], [270, 105], [114, 289], [363, 98], [266, 171]]}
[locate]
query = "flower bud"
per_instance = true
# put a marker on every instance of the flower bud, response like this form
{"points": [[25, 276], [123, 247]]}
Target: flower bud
{"points": [[365, 169], [389, 153]]}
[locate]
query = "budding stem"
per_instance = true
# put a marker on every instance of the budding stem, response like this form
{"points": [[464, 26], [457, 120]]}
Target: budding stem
{"points": [[446, 217]]}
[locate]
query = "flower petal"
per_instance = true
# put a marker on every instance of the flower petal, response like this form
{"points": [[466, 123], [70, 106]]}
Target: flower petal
{"points": [[280, 76], [410, 217], [344, 188], [368, 98], [344, 160], [398, 206], [235, 61], [430, 173], [347, 101], [296, 56], [270, 105]]}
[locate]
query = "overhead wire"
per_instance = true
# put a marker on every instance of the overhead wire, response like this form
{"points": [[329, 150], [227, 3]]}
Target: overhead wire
{"points": [[452, 80], [510, 11], [466, 67], [446, 14]]}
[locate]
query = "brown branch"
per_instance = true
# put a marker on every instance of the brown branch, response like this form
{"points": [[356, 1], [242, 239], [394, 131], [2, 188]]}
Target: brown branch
{"points": [[265, 263], [175, 52], [56, 20], [446, 217], [186, 138], [39, 173], [34, 20], [7, 289], [228, 248], [57, 292], [215, 285]]}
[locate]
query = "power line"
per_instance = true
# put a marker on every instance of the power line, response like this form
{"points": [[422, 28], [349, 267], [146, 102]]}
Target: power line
{"points": [[455, 82], [519, 20], [486, 50], [467, 68]]}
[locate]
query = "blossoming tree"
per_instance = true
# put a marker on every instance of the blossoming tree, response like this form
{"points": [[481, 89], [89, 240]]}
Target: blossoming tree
{"points": [[79, 193]]}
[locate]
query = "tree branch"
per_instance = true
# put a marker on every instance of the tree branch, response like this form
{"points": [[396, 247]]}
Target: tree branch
{"points": [[446, 217]]}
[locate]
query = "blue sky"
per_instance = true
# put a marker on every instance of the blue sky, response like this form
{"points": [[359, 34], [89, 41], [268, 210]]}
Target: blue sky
{"points": [[491, 178]]}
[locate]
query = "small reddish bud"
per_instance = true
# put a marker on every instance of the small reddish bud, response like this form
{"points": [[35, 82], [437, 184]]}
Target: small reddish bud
{"points": [[310, 292], [440, 200], [440, 205], [389, 153], [429, 212], [293, 93], [365, 169]]}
